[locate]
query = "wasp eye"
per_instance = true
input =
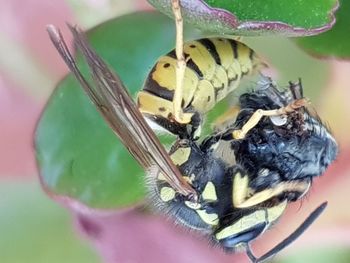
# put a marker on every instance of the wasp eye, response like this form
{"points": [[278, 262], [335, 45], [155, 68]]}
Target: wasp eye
{"points": [[279, 120]]}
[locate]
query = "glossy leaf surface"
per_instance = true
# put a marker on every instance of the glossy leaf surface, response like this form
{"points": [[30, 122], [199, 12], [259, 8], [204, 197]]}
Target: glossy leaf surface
{"points": [[251, 17], [335, 42]]}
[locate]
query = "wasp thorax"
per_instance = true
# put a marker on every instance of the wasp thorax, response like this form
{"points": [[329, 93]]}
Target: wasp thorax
{"points": [[218, 185], [202, 173]]}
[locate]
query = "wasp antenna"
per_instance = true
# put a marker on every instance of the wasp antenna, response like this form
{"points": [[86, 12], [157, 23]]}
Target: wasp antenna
{"points": [[250, 254], [296, 89], [293, 236], [301, 87]]}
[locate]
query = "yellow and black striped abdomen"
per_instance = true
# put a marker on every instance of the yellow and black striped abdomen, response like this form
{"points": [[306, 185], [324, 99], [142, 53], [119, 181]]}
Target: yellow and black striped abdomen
{"points": [[214, 67]]}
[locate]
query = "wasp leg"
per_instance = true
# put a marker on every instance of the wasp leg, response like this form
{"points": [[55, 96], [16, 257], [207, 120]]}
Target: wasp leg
{"points": [[240, 189], [244, 196], [258, 114], [262, 196], [226, 119], [179, 115]]}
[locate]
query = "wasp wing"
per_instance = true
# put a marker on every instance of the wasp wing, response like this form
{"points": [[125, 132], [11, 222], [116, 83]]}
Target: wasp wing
{"points": [[117, 107]]}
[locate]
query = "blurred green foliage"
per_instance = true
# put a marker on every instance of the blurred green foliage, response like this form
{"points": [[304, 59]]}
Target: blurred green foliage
{"points": [[35, 230], [320, 255]]}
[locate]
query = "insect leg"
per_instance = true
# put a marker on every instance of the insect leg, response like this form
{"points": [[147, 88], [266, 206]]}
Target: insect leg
{"points": [[179, 115], [226, 119], [257, 115], [260, 197], [244, 196]]}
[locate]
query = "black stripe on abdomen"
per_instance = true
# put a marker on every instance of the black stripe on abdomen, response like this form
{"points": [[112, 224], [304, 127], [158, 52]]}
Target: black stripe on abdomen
{"points": [[233, 44], [211, 48], [189, 63], [154, 88]]}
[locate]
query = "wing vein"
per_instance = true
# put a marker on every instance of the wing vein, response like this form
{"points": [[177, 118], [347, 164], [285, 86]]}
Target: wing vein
{"points": [[116, 106]]}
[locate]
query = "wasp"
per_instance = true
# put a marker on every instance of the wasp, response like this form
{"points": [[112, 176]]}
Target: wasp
{"points": [[237, 182]]}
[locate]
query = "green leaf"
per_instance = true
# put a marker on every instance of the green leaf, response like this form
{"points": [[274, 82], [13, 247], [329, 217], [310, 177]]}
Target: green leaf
{"points": [[335, 42], [252, 17], [78, 155]]}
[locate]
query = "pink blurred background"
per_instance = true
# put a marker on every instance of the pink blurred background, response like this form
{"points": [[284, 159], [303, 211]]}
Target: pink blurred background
{"points": [[35, 229]]}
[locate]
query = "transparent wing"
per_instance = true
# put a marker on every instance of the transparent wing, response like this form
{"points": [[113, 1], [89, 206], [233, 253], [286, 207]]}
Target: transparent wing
{"points": [[117, 107]]}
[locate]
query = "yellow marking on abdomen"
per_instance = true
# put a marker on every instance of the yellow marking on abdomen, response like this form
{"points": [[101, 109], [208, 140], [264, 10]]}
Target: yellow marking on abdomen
{"points": [[201, 57], [204, 98], [165, 76], [154, 105], [243, 58], [225, 52]]}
